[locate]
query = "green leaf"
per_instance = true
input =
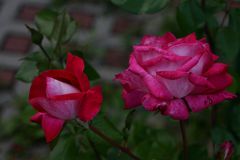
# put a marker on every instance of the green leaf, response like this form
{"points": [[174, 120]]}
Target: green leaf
{"points": [[70, 30], [27, 71], [128, 123], [149, 143], [190, 16], [157, 145], [41, 61], [196, 152], [228, 43], [141, 6], [212, 24], [65, 149], [45, 21], [214, 6], [219, 135], [36, 36], [234, 21], [101, 123], [64, 28], [115, 154], [129, 119], [59, 27], [234, 120], [89, 70]]}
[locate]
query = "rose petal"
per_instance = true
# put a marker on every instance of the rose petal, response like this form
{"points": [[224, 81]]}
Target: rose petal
{"points": [[145, 53], [186, 49], [164, 63], [200, 102], [134, 88], [62, 109], [221, 81], [71, 96], [208, 49], [75, 65], [151, 103], [177, 110], [158, 40], [51, 126], [216, 68], [154, 86], [56, 87], [200, 81], [204, 63], [189, 39], [132, 99], [61, 75], [176, 82], [203, 40], [172, 75], [38, 89], [91, 104], [191, 63], [131, 81]]}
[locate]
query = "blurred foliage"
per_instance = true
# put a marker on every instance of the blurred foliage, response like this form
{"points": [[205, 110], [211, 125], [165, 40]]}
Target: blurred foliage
{"points": [[58, 28], [141, 6], [18, 129]]}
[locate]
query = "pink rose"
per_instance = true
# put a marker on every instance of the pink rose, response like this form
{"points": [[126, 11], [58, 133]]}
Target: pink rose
{"points": [[175, 76], [60, 95], [226, 151]]}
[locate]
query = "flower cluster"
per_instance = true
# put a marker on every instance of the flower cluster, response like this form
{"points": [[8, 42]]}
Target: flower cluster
{"points": [[175, 76]]}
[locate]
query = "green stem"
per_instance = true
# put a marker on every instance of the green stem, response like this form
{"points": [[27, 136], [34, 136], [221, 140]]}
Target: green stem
{"points": [[58, 49], [98, 156], [45, 52], [184, 140], [59, 39], [113, 143], [227, 10], [213, 124], [112, 125]]}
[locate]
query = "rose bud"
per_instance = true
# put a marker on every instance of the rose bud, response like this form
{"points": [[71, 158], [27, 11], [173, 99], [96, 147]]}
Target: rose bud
{"points": [[226, 151], [174, 76], [60, 95]]}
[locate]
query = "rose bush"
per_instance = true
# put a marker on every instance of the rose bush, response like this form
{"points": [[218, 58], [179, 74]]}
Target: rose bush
{"points": [[175, 76], [60, 95]]}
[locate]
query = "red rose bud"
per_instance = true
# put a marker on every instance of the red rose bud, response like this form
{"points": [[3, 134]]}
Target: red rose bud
{"points": [[175, 76], [226, 151], [60, 95]]}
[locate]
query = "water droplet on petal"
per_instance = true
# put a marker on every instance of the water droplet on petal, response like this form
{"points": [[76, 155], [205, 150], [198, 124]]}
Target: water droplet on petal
{"points": [[208, 101]]}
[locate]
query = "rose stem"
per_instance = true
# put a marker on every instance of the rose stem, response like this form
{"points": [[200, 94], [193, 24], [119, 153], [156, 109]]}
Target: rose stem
{"points": [[212, 46], [98, 156], [45, 52], [184, 139], [113, 143], [112, 125], [213, 123]]}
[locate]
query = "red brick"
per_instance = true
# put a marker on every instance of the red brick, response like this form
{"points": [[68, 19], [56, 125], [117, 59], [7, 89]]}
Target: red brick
{"points": [[6, 78], [28, 12], [116, 58], [16, 43], [85, 20], [124, 24]]}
